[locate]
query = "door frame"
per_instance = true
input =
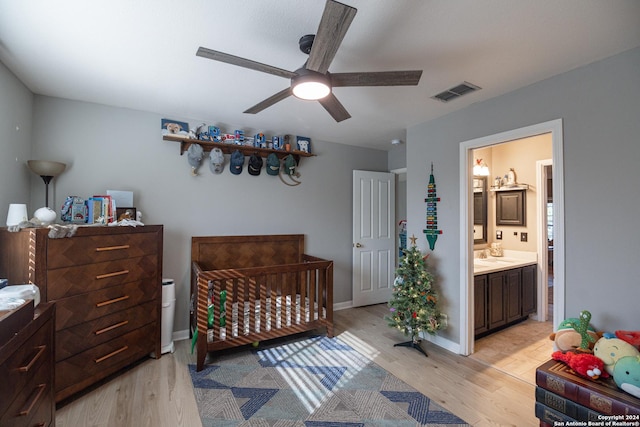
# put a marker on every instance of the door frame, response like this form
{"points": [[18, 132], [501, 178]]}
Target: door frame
{"points": [[466, 218], [542, 244]]}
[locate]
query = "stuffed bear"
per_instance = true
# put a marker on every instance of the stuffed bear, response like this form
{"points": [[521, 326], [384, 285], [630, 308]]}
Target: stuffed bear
{"points": [[632, 337], [610, 349], [583, 364], [626, 374], [567, 338]]}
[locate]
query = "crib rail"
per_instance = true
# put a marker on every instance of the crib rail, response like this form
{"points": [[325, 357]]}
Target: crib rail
{"points": [[259, 303]]}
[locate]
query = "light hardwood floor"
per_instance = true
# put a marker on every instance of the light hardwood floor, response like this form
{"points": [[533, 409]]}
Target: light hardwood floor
{"points": [[159, 392]]}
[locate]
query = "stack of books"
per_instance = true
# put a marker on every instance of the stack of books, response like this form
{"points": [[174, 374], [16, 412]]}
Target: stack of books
{"points": [[565, 398]]}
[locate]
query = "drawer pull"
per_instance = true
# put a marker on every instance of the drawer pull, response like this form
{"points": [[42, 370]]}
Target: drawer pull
{"points": [[27, 410], [117, 273], [108, 328], [112, 248], [113, 353], [41, 349], [111, 301]]}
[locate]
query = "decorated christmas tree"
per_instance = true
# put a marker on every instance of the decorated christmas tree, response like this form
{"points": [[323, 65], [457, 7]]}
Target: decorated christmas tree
{"points": [[414, 303]]}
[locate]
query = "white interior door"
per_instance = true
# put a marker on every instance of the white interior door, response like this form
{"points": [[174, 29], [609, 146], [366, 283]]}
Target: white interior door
{"points": [[374, 239]]}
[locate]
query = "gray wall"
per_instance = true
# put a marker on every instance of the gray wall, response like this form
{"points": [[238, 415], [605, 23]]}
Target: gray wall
{"points": [[397, 156], [16, 104], [600, 108], [119, 149]]}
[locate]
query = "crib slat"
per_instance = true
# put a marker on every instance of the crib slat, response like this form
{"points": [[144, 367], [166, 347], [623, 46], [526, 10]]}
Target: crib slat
{"points": [[303, 295], [273, 312], [322, 302], [240, 299], [262, 291], [217, 288], [283, 299], [312, 298], [253, 297]]}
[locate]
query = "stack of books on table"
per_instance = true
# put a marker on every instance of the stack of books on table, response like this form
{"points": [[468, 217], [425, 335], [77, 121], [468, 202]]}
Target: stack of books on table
{"points": [[565, 398]]}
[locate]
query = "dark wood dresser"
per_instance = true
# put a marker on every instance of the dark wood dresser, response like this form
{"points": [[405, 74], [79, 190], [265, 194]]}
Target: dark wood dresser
{"points": [[107, 286], [26, 372]]}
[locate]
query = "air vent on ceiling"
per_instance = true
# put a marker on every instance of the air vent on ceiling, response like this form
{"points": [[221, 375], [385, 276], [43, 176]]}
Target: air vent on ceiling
{"points": [[456, 92]]}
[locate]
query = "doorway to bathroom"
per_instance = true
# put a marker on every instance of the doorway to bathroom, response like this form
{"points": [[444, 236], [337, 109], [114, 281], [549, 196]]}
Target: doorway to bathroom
{"points": [[555, 182]]}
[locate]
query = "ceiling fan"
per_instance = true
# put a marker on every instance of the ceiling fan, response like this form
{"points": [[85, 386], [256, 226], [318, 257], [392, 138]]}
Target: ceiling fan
{"points": [[313, 81]]}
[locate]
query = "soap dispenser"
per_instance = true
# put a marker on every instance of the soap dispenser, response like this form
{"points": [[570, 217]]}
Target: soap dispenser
{"points": [[511, 177]]}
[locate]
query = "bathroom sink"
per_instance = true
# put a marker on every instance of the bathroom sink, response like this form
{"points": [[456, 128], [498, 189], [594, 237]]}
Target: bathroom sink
{"points": [[489, 264], [493, 260]]}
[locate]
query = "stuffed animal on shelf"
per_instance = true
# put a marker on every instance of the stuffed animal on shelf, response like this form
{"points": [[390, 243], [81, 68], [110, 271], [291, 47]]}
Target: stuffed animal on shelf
{"points": [[582, 327], [610, 349], [566, 338], [626, 374], [632, 337], [583, 364]]}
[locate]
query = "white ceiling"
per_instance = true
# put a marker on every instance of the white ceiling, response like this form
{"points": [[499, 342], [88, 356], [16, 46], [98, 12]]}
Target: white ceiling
{"points": [[140, 54]]}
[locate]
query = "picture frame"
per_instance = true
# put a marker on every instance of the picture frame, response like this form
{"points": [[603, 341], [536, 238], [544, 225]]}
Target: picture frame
{"points": [[303, 144], [129, 213], [174, 127]]}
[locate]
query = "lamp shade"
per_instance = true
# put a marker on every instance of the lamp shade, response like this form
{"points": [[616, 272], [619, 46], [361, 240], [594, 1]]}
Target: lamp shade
{"points": [[17, 213], [46, 167], [310, 85]]}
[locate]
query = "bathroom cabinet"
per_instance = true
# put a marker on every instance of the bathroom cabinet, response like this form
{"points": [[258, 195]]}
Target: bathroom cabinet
{"points": [[511, 207], [503, 298]]}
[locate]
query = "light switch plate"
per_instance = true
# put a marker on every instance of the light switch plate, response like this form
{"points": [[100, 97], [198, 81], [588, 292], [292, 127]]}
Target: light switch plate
{"points": [[524, 236], [498, 234]]}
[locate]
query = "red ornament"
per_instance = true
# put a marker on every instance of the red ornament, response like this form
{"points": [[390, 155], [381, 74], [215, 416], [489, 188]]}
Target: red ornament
{"points": [[414, 315]]}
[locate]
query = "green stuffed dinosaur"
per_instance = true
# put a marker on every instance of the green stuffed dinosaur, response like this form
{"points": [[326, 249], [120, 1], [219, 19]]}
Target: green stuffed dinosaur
{"points": [[582, 327]]}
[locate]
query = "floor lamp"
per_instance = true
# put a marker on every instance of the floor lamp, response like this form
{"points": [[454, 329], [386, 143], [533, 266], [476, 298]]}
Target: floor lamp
{"points": [[47, 171]]}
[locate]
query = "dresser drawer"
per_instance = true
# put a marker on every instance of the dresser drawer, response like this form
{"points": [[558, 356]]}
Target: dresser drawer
{"points": [[69, 281], [81, 337], [33, 404], [93, 305], [91, 249], [21, 369], [101, 361]]}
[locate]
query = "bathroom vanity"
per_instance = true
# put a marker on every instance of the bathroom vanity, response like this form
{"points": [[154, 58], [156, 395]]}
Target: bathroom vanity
{"points": [[504, 291]]}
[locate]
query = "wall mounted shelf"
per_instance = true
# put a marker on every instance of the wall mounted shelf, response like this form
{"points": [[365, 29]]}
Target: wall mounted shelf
{"points": [[247, 150], [513, 188]]}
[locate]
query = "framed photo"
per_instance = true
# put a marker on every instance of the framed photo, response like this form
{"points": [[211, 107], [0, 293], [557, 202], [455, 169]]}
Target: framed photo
{"points": [[125, 213], [303, 144], [174, 127]]}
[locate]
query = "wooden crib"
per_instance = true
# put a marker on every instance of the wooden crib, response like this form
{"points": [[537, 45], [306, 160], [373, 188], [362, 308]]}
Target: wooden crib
{"points": [[260, 287]]}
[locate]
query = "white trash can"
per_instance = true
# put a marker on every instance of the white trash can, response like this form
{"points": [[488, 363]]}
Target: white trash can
{"points": [[168, 312]]}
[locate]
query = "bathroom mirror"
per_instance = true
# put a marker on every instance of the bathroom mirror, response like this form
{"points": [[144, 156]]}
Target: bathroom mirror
{"points": [[479, 209]]}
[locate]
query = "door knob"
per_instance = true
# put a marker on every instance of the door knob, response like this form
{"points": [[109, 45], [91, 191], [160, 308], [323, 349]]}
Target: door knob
{"points": [[358, 245]]}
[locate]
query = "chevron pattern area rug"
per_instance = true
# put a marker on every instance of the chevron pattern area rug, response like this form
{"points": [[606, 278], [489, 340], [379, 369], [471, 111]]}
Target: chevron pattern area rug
{"points": [[309, 382]]}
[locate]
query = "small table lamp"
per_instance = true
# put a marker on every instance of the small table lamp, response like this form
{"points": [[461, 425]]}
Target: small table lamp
{"points": [[47, 170]]}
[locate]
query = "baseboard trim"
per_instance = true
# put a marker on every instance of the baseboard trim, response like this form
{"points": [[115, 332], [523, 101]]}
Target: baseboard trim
{"points": [[342, 305]]}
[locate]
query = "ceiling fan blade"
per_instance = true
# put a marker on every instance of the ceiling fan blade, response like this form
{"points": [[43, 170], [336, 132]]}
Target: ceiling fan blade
{"points": [[334, 24], [334, 107], [269, 101], [382, 78], [242, 62]]}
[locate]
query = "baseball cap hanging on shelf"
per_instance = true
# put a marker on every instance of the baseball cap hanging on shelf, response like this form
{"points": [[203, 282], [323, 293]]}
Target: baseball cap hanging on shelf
{"points": [[195, 152], [288, 169]]}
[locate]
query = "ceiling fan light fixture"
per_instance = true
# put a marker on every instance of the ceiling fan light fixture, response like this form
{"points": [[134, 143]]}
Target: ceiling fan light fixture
{"points": [[310, 85]]}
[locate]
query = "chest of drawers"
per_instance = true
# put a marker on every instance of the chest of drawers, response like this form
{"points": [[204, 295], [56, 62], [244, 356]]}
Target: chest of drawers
{"points": [[107, 286], [26, 370]]}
